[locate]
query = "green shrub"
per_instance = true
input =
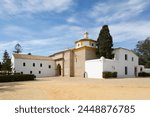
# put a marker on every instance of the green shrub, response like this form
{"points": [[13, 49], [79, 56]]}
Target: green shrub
{"points": [[109, 74], [114, 74], [143, 74], [16, 77]]}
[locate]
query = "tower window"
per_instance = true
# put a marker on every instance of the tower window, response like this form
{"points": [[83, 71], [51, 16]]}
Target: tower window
{"points": [[141, 69], [41, 65], [49, 66], [30, 72], [24, 64], [126, 57], [39, 72], [92, 44], [33, 64], [126, 70]]}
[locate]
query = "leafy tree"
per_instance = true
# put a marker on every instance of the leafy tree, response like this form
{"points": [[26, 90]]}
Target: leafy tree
{"points": [[143, 51], [6, 64], [18, 48], [104, 43]]}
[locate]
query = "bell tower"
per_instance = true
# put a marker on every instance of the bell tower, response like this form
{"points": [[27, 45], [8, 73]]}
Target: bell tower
{"points": [[86, 42]]}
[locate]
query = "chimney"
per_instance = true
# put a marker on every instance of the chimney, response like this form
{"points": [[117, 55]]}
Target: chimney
{"points": [[86, 35]]}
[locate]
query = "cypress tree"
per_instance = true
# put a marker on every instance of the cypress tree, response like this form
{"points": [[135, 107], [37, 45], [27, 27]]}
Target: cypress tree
{"points": [[0, 66], [6, 64], [104, 43]]}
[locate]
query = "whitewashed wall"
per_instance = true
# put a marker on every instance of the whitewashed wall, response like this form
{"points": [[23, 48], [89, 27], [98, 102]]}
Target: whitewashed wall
{"points": [[85, 43], [147, 70], [118, 64], [120, 53], [93, 68], [110, 65], [45, 70]]}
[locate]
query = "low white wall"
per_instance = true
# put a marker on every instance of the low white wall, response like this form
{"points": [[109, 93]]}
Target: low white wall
{"points": [[147, 70], [93, 68]]}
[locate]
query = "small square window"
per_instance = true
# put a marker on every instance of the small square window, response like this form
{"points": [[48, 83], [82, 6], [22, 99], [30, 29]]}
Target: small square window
{"points": [[92, 44], [39, 72], [21, 72], [30, 72]]}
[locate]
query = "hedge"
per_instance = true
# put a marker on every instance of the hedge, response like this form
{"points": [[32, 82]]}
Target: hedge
{"points": [[143, 74], [16, 77], [109, 74]]}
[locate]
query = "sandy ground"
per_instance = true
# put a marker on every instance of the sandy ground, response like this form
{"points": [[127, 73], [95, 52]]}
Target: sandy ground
{"points": [[76, 89]]}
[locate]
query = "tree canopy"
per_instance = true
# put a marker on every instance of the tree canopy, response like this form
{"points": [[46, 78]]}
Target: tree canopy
{"points": [[104, 43], [143, 51], [18, 48]]}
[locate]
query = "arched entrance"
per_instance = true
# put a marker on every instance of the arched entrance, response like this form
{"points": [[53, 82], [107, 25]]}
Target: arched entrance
{"points": [[58, 70]]}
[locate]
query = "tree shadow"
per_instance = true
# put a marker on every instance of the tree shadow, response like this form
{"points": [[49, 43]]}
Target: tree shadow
{"points": [[11, 86]]}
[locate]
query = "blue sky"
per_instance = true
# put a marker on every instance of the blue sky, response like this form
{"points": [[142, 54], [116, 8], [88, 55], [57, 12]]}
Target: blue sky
{"points": [[44, 27]]}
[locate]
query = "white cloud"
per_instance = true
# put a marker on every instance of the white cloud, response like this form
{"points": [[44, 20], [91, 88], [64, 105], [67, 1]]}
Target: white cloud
{"points": [[138, 30], [13, 7], [118, 10], [125, 31], [13, 29], [72, 20], [31, 45]]}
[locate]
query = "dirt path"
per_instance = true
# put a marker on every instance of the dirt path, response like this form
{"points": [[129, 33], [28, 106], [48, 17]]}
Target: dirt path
{"points": [[77, 88]]}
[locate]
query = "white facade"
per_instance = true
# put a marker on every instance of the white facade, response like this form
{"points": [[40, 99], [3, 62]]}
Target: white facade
{"points": [[85, 43], [39, 67], [147, 70], [125, 63]]}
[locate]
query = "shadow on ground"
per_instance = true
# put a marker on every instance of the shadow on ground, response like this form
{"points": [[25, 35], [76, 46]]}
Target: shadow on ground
{"points": [[12, 86]]}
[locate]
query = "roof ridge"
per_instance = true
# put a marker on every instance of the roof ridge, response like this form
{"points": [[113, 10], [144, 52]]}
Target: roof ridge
{"points": [[31, 57]]}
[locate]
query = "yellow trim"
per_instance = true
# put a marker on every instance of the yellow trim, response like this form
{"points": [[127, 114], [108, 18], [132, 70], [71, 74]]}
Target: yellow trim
{"points": [[81, 43], [90, 43]]}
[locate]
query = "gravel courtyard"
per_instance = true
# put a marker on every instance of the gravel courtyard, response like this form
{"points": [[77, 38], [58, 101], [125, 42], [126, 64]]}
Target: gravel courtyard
{"points": [[61, 88]]}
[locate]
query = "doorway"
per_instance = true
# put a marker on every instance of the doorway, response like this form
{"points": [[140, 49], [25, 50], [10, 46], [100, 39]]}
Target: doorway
{"points": [[58, 70], [135, 71]]}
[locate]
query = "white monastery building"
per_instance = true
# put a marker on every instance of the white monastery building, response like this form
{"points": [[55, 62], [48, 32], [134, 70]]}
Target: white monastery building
{"points": [[80, 61], [38, 65]]}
